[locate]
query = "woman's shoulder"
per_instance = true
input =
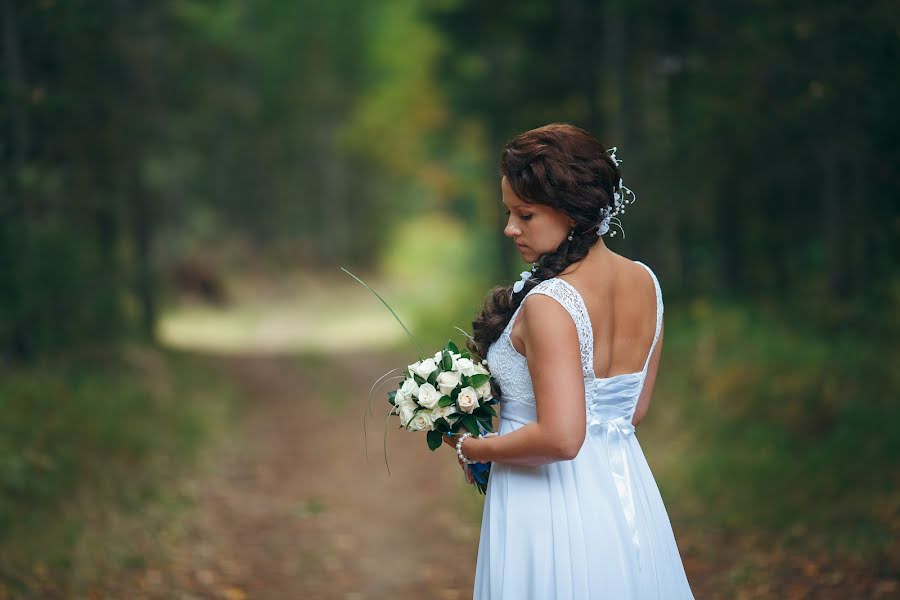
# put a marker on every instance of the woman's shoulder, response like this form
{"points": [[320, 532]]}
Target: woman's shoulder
{"points": [[538, 304]]}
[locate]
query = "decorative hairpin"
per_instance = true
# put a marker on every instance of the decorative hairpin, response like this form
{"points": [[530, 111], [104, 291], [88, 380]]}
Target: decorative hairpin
{"points": [[517, 286], [619, 202]]}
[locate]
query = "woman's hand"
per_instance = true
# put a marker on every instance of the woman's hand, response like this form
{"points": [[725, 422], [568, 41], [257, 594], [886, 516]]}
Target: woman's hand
{"points": [[451, 440]]}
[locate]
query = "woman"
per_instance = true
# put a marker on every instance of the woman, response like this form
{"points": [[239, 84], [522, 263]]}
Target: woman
{"points": [[572, 510]]}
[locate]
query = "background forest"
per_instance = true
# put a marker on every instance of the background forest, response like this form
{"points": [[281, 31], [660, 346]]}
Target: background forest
{"points": [[180, 183]]}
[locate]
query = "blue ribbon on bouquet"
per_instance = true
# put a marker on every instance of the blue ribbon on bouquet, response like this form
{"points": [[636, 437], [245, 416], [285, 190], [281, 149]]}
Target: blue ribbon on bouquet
{"points": [[480, 471]]}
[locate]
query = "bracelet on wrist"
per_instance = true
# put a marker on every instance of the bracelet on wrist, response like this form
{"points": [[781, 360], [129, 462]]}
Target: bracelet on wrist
{"points": [[459, 453]]}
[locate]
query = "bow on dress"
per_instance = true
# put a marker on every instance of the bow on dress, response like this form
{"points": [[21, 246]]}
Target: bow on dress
{"points": [[615, 421]]}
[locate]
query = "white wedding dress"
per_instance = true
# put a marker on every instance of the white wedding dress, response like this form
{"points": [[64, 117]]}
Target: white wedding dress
{"points": [[593, 527]]}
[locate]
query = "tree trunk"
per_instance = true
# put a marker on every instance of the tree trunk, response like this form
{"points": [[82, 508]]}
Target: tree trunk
{"points": [[833, 225], [11, 208]]}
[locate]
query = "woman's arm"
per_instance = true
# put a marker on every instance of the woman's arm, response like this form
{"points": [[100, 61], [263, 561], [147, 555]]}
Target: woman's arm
{"points": [[554, 362]]}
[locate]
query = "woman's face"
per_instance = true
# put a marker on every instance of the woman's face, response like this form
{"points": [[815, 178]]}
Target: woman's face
{"points": [[535, 228]]}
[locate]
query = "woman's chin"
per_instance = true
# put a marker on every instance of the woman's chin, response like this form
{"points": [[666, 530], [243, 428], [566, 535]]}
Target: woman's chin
{"points": [[526, 254]]}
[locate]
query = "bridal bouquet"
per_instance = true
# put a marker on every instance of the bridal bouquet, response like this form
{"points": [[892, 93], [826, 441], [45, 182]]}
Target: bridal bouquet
{"points": [[444, 393], [441, 395]]}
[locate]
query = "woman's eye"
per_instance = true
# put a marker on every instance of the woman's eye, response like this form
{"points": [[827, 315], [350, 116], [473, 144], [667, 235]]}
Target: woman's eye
{"points": [[523, 217]]}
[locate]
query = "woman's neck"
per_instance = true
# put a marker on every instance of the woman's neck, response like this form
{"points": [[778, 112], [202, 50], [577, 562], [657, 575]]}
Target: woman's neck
{"points": [[598, 254]]}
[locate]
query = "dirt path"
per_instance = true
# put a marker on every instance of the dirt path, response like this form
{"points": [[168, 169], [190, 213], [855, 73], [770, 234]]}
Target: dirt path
{"points": [[294, 511]]}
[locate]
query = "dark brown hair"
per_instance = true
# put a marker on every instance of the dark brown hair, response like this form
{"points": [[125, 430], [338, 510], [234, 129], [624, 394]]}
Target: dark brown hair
{"points": [[564, 167]]}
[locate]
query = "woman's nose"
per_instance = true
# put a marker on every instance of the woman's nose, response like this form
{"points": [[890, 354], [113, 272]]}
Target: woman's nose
{"points": [[511, 230]]}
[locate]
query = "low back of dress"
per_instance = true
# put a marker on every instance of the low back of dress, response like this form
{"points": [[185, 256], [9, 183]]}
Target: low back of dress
{"points": [[607, 397]]}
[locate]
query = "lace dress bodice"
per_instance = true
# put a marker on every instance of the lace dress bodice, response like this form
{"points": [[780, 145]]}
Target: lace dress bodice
{"points": [[617, 394]]}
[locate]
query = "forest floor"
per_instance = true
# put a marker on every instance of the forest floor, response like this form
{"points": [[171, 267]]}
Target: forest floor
{"points": [[292, 510]]}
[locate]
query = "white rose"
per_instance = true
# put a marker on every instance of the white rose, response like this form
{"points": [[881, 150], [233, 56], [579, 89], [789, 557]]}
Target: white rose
{"points": [[406, 413], [423, 368], [465, 366], [447, 381], [467, 399], [480, 369], [409, 388], [443, 411], [403, 400], [421, 422], [484, 390], [428, 396]]}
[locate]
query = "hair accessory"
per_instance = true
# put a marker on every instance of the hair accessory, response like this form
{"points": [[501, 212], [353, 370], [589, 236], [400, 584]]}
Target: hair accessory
{"points": [[517, 286], [619, 202]]}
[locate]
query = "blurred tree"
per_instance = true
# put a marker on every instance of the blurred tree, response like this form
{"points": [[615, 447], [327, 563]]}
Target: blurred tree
{"points": [[68, 176], [755, 120]]}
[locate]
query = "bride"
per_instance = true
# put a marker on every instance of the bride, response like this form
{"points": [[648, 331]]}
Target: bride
{"points": [[572, 510]]}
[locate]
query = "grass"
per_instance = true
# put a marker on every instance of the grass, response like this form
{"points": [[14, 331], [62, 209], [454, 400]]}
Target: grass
{"points": [[91, 448], [789, 436]]}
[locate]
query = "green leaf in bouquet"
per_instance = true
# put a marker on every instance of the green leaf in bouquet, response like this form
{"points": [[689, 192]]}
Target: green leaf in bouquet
{"points": [[455, 393], [446, 361], [432, 379], [445, 401], [489, 409], [418, 379], [441, 424], [452, 347], [456, 425], [434, 440], [478, 379], [391, 396], [470, 422], [486, 423], [465, 354]]}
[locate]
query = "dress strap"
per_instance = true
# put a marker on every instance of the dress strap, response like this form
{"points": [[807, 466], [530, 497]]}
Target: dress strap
{"points": [[659, 314], [565, 293]]}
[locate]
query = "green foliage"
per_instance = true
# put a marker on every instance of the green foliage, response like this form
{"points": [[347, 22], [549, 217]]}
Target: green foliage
{"points": [[435, 439], [780, 418], [106, 428]]}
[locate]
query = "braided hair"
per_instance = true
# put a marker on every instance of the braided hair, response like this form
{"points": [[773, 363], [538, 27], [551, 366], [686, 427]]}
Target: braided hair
{"points": [[563, 167]]}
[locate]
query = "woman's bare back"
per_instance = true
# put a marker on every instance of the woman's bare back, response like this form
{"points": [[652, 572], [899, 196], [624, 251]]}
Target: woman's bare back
{"points": [[620, 298]]}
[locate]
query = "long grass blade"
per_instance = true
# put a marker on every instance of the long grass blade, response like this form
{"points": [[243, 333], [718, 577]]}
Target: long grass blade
{"points": [[419, 348], [464, 333], [385, 441], [377, 381], [365, 432]]}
